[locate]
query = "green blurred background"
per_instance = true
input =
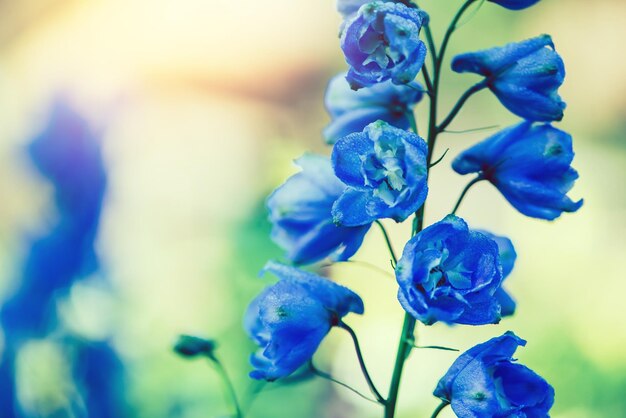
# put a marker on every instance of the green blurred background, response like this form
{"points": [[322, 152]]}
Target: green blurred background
{"points": [[205, 103]]}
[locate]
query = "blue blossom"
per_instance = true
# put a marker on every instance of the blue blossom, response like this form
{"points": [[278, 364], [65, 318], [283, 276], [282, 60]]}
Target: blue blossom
{"points": [[100, 377], [300, 212], [352, 110], [524, 76], [486, 382], [385, 169], [507, 256], [348, 8], [450, 273], [68, 154], [515, 4], [382, 42], [289, 319], [530, 165]]}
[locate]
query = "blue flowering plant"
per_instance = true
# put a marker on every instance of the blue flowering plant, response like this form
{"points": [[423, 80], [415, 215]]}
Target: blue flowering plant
{"points": [[378, 169]]}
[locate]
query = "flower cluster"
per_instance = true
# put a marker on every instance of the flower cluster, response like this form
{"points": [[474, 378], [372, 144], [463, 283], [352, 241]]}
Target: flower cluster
{"points": [[379, 169]]}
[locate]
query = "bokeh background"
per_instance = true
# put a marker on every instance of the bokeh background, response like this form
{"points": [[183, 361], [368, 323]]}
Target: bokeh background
{"points": [[201, 106]]}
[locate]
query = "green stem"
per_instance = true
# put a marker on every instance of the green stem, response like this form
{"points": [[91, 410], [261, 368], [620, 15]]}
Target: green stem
{"points": [[228, 385], [328, 377], [427, 80], [464, 192], [459, 104], [388, 241], [449, 32], [407, 339], [442, 405], [359, 354], [404, 349]]}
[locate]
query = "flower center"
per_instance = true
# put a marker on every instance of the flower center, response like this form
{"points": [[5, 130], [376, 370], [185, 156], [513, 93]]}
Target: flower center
{"points": [[384, 170]]}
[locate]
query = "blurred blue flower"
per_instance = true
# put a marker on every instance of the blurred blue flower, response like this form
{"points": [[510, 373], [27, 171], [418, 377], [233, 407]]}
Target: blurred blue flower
{"points": [[385, 169], [290, 318], [352, 110], [300, 212], [99, 375], [67, 153], [515, 4], [524, 76], [450, 273], [486, 382], [530, 165], [382, 42], [507, 255]]}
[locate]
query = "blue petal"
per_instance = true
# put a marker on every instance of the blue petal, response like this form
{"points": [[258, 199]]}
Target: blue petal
{"points": [[347, 158], [492, 61], [515, 4], [356, 207], [495, 349]]}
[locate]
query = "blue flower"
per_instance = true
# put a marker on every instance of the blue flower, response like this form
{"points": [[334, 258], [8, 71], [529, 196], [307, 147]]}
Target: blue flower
{"points": [[507, 256], [382, 42], [300, 211], [68, 154], [348, 8], [450, 273], [485, 382], [515, 4], [289, 319], [385, 169], [530, 165], [524, 76], [352, 110]]}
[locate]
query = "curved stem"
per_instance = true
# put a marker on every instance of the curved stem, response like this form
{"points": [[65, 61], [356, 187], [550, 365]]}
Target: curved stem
{"points": [[449, 32], [436, 347], [464, 192], [438, 160], [230, 388], [427, 80], [368, 379], [442, 405], [328, 377], [459, 104], [388, 241]]}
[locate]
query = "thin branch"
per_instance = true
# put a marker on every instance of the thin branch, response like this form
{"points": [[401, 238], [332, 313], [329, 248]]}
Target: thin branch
{"points": [[368, 379], [328, 377], [439, 159], [442, 405], [464, 192], [465, 131], [436, 347], [388, 241], [228, 384], [363, 264], [459, 105]]}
